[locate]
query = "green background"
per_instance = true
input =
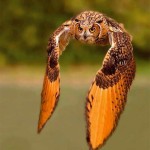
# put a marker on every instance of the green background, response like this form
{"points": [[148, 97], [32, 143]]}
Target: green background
{"points": [[20, 104], [25, 27]]}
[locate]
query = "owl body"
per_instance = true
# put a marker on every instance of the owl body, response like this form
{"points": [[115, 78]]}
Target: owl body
{"points": [[107, 96]]}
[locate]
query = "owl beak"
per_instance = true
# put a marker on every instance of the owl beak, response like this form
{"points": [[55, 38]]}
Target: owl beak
{"points": [[85, 35]]}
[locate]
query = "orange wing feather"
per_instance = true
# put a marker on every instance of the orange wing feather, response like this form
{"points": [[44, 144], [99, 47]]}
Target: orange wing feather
{"points": [[103, 110], [107, 96], [51, 85], [50, 95]]}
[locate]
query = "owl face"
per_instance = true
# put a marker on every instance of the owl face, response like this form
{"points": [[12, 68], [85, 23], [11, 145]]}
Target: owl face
{"points": [[87, 27]]}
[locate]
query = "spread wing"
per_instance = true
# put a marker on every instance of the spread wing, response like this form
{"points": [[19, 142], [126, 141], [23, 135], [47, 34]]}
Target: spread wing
{"points": [[51, 84], [108, 93]]}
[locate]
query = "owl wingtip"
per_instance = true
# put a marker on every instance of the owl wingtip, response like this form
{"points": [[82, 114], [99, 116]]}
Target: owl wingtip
{"points": [[39, 129]]}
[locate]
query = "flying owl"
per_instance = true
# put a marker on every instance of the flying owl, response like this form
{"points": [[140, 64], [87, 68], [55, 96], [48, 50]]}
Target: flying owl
{"points": [[108, 93]]}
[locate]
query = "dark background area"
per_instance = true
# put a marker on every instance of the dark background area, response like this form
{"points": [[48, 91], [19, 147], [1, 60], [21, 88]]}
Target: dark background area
{"points": [[26, 26]]}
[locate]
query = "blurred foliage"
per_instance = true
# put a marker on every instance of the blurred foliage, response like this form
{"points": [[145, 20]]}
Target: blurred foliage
{"points": [[26, 25]]}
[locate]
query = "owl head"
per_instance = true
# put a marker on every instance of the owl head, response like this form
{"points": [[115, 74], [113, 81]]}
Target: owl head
{"points": [[90, 27]]}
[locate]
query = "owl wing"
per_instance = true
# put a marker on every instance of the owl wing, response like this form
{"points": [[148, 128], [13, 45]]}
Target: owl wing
{"points": [[107, 96], [51, 84]]}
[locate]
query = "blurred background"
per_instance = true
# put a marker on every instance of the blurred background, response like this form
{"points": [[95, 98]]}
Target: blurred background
{"points": [[25, 27]]}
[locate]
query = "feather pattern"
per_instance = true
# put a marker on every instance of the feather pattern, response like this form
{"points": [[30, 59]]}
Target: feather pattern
{"points": [[112, 82], [51, 85]]}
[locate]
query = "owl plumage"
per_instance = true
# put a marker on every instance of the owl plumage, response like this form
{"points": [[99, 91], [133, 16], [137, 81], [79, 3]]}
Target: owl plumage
{"points": [[108, 94]]}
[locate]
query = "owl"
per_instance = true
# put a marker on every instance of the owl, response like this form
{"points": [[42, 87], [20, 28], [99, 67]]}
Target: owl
{"points": [[108, 93]]}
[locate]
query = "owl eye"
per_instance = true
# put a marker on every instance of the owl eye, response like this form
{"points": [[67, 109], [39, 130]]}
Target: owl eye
{"points": [[77, 20], [92, 29], [80, 29]]}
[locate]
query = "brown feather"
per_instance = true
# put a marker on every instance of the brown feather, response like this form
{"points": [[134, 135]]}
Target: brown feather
{"points": [[112, 82], [51, 85], [108, 93]]}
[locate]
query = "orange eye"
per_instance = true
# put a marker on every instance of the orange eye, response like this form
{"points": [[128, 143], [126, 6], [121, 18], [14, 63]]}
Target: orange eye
{"points": [[92, 29]]}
